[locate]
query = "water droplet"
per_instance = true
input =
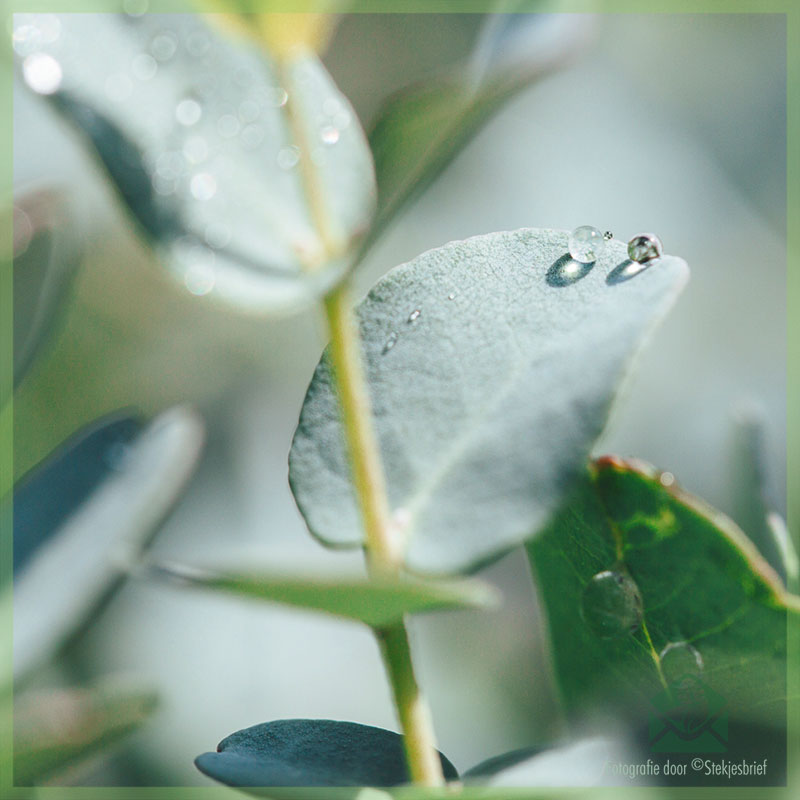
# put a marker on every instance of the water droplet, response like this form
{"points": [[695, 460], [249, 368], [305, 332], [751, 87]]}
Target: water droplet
{"points": [[203, 186], [170, 165], [414, 315], [645, 247], [188, 112], [249, 111], [217, 235], [118, 87], [228, 126], [330, 135], [195, 150], [144, 67], [42, 73], [200, 278], [451, 296], [252, 136], [163, 46], [612, 604], [198, 44], [342, 119], [679, 659], [277, 96], [586, 244], [390, 342], [26, 39], [135, 8], [288, 157], [666, 479]]}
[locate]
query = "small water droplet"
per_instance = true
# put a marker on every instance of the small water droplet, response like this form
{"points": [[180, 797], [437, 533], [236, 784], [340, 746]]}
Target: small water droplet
{"points": [[666, 479], [277, 96], [188, 111], [679, 659], [612, 604], [342, 119], [228, 126], [252, 136], [118, 87], [163, 46], [217, 235], [586, 243], [390, 342], [195, 150], [451, 296], [414, 315], [200, 278], [42, 73], [288, 157], [144, 67], [26, 39], [329, 135], [203, 186]]}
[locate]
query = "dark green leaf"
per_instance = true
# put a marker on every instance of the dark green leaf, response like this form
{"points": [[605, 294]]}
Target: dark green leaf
{"points": [[377, 601], [307, 752], [421, 129], [212, 172], [58, 588], [57, 729], [491, 363], [713, 613]]}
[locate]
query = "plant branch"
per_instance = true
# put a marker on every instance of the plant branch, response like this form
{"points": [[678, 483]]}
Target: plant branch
{"points": [[384, 553]]}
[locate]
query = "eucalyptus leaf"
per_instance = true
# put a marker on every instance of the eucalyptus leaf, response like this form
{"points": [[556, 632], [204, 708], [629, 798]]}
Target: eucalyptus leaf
{"points": [[491, 365], [581, 763], [57, 729], [706, 611], [214, 171], [51, 492], [752, 507], [47, 251], [65, 579], [308, 752], [377, 601], [421, 129]]}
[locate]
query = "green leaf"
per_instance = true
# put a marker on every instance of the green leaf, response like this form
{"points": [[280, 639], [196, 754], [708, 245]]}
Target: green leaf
{"points": [[47, 251], [57, 729], [309, 752], [690, 594], [752, 507], [421, 129], [67, 578], [212, 172], [376, 601], [491, 364]]}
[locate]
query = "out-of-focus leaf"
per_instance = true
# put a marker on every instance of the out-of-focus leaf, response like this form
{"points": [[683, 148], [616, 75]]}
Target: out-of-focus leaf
{"points": [[310, 752], [649, 593], [421, 129], [216, 169], [752, 507], [57, 729], [45, 498], [492, 364], [46, 256], [376, 601], [581, 763], [61, 584]]}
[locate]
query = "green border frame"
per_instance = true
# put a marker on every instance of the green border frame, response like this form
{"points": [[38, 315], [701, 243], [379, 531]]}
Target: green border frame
{"points": [[785, 7]]}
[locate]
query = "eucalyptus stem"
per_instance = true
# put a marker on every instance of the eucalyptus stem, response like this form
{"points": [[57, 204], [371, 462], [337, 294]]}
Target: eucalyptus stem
{"points": [[384, 553]]}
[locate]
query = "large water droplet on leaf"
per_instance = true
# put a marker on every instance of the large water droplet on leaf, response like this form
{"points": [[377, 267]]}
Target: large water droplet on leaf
{"points": [[679, 659], [612, 604]]}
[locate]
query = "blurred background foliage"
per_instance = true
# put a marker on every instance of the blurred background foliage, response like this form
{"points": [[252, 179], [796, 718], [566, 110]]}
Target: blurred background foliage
{"points": [[671, 123]]}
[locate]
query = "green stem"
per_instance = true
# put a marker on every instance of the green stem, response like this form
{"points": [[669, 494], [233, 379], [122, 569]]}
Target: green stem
{"points": [[384, 553]]}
